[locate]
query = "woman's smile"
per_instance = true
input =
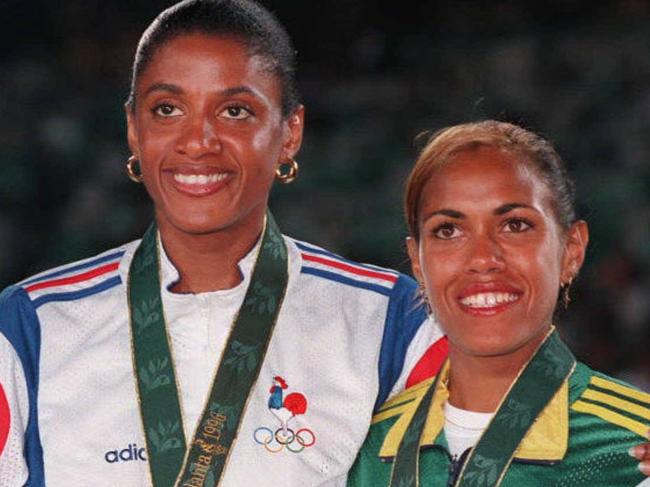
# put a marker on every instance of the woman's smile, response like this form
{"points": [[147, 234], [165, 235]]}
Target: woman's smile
{"points": [[197, 181], [488, 298]]}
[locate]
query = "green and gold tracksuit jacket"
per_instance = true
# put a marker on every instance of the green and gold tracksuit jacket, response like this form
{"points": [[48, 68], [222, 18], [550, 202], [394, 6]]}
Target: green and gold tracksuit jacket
{"points": [[581, 438]]}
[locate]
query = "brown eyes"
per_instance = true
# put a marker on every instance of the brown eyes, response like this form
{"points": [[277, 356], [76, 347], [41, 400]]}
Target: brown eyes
{"points": [[450, 231], [517, 225], [234, 112], [166, 110], [446, 231]]}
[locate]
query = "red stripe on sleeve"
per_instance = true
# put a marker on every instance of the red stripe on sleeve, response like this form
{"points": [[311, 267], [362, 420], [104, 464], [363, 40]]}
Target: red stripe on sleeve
{"points": [[354, 270], [73, 279], [430, 362], [5, 419]]}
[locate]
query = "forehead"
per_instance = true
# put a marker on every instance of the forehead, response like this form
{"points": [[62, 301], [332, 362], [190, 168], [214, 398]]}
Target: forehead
{"points": [[204, 59], [483, 179]]}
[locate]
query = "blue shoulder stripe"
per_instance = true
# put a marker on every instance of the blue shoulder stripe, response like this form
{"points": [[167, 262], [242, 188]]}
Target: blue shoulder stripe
{"points": [[406, 313], [332, 255], [78, 267], [332, 276], [19, 324], [72, 295]]}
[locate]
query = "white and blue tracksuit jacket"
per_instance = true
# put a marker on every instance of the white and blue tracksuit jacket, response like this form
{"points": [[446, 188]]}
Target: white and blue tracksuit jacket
{"points": [[69, 412]]}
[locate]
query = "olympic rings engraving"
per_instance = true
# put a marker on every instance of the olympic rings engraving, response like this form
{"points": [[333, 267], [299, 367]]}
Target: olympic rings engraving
{"points": [[284, 438]]}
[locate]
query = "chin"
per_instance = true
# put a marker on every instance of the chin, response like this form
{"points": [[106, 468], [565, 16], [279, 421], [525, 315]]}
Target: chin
{"points": [[197, 224], [488, 346], [499, 344], [204, 219], [485, 351]]}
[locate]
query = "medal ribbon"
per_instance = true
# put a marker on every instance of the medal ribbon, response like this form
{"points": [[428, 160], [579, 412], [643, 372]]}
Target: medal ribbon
{"points": [[488, 461], [405, 466], [171, 462]]}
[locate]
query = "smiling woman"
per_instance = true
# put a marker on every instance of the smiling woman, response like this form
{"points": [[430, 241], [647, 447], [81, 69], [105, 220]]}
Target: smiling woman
{"points": [[499, 255], [494, 239], [208, 130], [169, 345]]}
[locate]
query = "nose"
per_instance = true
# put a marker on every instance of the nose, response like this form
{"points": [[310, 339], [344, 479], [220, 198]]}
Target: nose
{"points": [[198, 138], [485, 255]]}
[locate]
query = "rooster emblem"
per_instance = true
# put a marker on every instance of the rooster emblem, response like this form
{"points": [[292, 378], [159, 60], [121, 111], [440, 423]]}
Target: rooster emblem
{"points": [[285, 409]]}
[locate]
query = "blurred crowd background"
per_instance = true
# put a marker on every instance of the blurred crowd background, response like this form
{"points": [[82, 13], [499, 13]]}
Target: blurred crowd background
{"points": [[373, 74]]}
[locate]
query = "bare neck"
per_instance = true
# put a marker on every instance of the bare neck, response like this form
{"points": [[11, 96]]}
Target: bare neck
{"points": [[208, 262], [478, 383]]}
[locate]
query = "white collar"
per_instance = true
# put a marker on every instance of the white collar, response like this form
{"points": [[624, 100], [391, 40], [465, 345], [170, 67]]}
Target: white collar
{"points": [[169, 275]]}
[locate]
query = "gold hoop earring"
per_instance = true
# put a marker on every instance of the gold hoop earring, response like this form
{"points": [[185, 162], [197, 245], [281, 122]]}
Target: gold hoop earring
{"points": [[566, 297], [287, 172], [131, 164]]}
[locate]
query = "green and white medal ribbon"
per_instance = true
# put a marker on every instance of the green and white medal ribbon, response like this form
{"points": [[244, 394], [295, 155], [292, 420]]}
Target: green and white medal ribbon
{"points": [[488, 461], [172, 462]]}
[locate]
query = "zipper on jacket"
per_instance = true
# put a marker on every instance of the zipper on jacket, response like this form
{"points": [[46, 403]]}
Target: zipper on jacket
{"points": [[456, 466]]}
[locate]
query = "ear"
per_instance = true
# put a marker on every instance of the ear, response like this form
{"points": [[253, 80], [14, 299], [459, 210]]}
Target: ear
{"points": [[575, 247], [131, 131], [414, 255], [294, 125]]}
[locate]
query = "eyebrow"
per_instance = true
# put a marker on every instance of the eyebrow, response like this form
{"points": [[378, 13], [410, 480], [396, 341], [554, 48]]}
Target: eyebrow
{"points": [[238, 90], [508, 207], [177, 90], [173, 89], [446, 212], [501, 210]]}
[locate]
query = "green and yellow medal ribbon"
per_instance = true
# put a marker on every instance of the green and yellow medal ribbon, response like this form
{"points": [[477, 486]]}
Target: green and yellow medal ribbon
{"points": [[488, 461]]}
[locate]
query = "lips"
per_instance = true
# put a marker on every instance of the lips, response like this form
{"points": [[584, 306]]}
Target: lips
{"points": [[198, 180], [487, 299]]}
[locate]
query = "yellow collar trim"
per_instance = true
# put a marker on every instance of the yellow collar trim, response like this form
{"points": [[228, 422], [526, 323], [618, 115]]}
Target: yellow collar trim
{"points": [[547, 440]]}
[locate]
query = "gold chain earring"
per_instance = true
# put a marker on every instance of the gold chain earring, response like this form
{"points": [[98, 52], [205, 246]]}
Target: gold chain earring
{"points": [[131, 165], [566, 297], [287, 171]]}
